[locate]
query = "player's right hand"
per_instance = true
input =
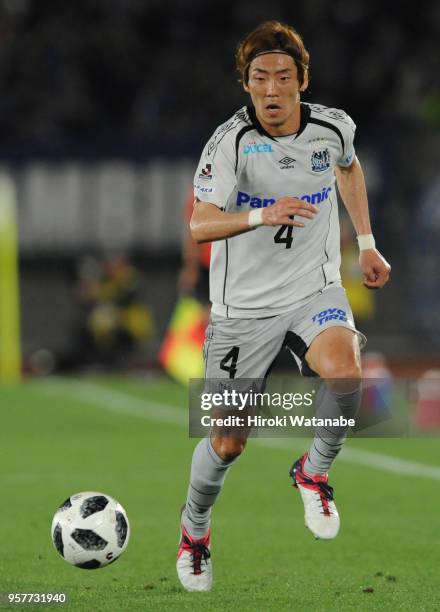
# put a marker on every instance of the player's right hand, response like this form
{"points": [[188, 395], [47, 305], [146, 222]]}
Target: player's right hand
{"points": [[284, 209]]}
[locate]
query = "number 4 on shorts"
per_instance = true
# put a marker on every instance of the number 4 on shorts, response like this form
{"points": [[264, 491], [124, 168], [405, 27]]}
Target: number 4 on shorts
{"points": [[231, 357]]}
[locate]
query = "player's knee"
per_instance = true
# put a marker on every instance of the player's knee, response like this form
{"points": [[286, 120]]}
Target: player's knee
{"points": [[343, 375], [228, 448], [351, 370]]}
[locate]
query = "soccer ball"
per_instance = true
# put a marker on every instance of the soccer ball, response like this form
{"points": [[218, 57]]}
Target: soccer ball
{"points": [[90, 530]]}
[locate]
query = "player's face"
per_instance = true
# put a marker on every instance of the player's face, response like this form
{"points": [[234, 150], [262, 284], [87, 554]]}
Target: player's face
{"points": [[274, 88]]}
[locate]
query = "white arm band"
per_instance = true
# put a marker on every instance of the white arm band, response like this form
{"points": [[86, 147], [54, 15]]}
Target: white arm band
{"points": [[366, 241], [255, 217]]}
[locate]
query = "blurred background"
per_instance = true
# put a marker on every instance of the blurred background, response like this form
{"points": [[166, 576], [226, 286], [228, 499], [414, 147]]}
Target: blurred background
{"points": [[105, 106]]}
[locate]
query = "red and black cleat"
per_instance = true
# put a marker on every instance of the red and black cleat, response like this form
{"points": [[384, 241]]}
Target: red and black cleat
{"points": [[320, 513], [194, 567]]}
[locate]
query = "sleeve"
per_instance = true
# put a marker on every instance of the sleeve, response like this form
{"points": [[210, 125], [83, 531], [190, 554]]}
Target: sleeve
{"points": [[215, 178], [348, 129]]}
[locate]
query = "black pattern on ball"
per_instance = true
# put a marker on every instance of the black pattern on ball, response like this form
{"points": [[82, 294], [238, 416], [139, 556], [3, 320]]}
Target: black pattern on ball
{"points": [[92, 505], [92, 564], [66, 504], [58, 539], [88, 539], [121, 529]]}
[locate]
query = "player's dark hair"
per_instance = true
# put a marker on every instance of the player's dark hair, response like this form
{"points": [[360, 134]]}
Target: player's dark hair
{"points": [[272, 35]]}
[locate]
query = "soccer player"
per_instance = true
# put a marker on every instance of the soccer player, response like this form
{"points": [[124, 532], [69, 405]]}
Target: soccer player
{"points": [[266, 197]]}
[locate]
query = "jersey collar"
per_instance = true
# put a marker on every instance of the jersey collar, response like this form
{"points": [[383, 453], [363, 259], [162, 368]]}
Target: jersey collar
{"points": [[304, 118]]}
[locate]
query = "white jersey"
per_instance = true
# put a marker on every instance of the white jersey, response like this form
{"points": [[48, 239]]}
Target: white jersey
{"points": [[266, 271]]}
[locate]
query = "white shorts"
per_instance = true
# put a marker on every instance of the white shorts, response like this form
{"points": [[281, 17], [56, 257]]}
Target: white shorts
{"points": [[247, 348]]}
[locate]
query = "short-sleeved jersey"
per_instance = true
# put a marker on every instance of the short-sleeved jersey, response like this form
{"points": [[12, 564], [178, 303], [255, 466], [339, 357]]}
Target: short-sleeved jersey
{"points": [[266, 271]]}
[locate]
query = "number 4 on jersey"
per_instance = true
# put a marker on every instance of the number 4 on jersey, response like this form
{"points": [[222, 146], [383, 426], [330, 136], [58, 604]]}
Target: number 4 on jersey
{"points": [[279, 237], [287, 239]]}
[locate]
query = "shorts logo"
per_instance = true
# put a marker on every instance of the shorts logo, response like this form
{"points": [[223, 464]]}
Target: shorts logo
{"points": [[257, 202], [257, 148], [286, 163], [320, 160], [330, 314]]}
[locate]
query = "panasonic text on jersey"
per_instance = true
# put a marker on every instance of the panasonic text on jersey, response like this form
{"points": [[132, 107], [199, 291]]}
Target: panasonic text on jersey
{"points": [[262, 202]]}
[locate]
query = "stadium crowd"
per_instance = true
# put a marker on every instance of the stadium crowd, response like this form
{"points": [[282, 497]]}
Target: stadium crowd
{"points": [[94, 75]]}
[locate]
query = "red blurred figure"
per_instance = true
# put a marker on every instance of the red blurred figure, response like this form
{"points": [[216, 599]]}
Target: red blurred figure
{"points": [[427, 409]]}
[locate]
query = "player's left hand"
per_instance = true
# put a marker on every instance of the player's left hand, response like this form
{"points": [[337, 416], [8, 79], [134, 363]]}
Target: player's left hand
{"points": [[375, 268]]}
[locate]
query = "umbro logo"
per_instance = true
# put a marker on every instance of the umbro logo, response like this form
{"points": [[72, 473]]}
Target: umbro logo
{"points": [[286, 162]]}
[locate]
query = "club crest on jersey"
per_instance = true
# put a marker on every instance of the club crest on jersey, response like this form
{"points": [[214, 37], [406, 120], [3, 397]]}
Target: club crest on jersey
{"points": [[320, 160]]}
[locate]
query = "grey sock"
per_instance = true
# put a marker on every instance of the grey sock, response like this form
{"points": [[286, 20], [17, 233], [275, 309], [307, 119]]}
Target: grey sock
{"points": [[208, 473], [328, 441]]}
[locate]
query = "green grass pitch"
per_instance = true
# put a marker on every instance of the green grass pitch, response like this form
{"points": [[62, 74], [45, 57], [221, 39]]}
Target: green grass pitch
{"points": [[59, 437]]}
